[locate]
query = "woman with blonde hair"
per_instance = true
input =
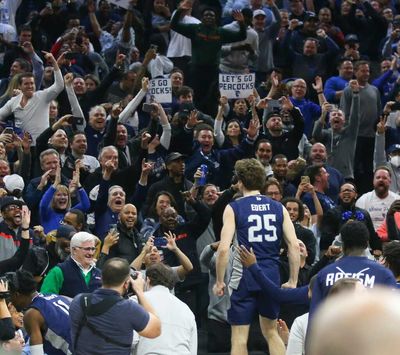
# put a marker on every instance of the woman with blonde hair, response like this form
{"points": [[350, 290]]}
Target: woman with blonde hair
{"points": [[56, 201]]}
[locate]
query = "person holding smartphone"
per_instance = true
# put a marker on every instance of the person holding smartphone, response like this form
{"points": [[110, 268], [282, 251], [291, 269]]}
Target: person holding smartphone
{"points": [[33, 118]]}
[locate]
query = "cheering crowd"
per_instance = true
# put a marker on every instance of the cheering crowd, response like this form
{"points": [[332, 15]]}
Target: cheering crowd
{"points": [[185, 217]]}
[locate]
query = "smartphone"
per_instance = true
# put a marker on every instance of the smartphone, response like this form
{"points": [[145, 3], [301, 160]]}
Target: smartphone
{"points": [[274, 105], [154, 46], [70, 55], [305, 179], [8, 130], [148, 108], [160, 242], [395, 106], [77, 120], [113, 228]]}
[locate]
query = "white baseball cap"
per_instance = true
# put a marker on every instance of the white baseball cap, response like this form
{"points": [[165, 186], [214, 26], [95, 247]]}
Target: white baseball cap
{"points": [[259, 12], [13, 182]]}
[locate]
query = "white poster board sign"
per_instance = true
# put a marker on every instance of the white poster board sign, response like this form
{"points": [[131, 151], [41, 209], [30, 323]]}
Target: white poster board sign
{"points": [[236, 86], [121, 3], [160, 90]]}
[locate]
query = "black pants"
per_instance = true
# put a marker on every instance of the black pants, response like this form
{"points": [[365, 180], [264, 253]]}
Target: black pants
{"points": [[183, 64], [364, 164], [218, 336], [204, 81]]}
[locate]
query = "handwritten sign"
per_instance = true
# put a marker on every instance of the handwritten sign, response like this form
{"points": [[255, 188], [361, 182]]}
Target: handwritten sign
{"points": [[236, 86], [160, 90]]}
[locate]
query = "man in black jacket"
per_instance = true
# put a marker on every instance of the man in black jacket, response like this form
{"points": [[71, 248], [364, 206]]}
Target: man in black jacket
{"points": [[285, 142], [174, 183], [334, 218], [125, 242]]}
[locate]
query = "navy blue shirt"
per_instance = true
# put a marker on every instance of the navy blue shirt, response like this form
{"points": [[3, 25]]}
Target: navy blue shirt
{"points": [[54, 309], [259, 225], [118, 323], [369, 272]]}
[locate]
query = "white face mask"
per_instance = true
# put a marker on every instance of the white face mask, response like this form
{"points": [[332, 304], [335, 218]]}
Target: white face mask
{"points": [[395, 161]]}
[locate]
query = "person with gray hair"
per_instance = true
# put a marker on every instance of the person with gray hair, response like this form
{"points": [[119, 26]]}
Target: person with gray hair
{"points": [[109, 172], [77, 274]]}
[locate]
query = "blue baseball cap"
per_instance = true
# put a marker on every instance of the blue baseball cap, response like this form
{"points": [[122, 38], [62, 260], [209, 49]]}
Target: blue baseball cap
{"points": [[392, 148]]}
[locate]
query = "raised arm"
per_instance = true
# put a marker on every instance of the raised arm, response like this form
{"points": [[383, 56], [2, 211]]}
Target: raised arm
{"points": [[354, 119], [186, 265], [73, 101], [93, 19], [379, 151], [134, 103], [165, 139], [319, 88], [319, 134], [54, 90], [219, 119], [187, 30], [137, 263]]}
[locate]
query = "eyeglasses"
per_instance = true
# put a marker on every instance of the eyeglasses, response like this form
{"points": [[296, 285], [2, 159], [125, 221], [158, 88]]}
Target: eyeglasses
{"points": [[87, 248], [348, 190], [12, 208]]}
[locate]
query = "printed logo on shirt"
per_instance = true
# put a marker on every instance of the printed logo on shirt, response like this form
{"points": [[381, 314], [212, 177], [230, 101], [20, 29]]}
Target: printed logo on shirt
{"points": [[181, 236], [366, 279]]}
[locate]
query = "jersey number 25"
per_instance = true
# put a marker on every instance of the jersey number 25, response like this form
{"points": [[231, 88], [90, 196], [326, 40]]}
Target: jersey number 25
{"points": [[262, 230]]}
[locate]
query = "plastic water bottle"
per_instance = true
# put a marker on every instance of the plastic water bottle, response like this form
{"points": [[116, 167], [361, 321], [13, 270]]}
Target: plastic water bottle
{"points": [[204, 169], [4, 18]]}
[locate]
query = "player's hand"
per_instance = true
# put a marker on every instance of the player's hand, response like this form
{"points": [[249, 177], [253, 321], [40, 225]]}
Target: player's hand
{"points": [[219, 289], [247, 258], [283, 330]]}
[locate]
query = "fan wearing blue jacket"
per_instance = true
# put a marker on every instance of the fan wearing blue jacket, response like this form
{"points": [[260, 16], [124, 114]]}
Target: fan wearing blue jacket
{"points": [[56, 201]]}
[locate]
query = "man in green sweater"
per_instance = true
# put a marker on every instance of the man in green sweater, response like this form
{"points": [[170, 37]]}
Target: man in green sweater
{"points": [[207, 39]]}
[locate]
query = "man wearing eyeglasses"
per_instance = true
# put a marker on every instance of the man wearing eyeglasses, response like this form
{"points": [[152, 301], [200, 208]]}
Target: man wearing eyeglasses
{"points": [[77, 274], [336, 217], [10, 227]]}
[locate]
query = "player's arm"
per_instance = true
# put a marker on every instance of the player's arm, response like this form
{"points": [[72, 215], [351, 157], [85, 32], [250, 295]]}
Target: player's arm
{"points": [[289, 235], [34, 323], [227, 233]]}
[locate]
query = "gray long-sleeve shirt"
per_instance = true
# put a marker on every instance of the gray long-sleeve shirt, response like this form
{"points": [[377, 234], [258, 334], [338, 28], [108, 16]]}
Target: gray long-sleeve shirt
{"points": [[341, 146], [370, 108], [34, 116]]}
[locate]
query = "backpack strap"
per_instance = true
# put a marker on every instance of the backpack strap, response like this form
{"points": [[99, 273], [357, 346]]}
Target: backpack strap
{"points": [[95, 310]]}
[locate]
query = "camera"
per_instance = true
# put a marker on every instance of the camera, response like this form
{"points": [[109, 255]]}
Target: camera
{"points": [[149, 108], [9, 278], [134, 275], [8, 130]]}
